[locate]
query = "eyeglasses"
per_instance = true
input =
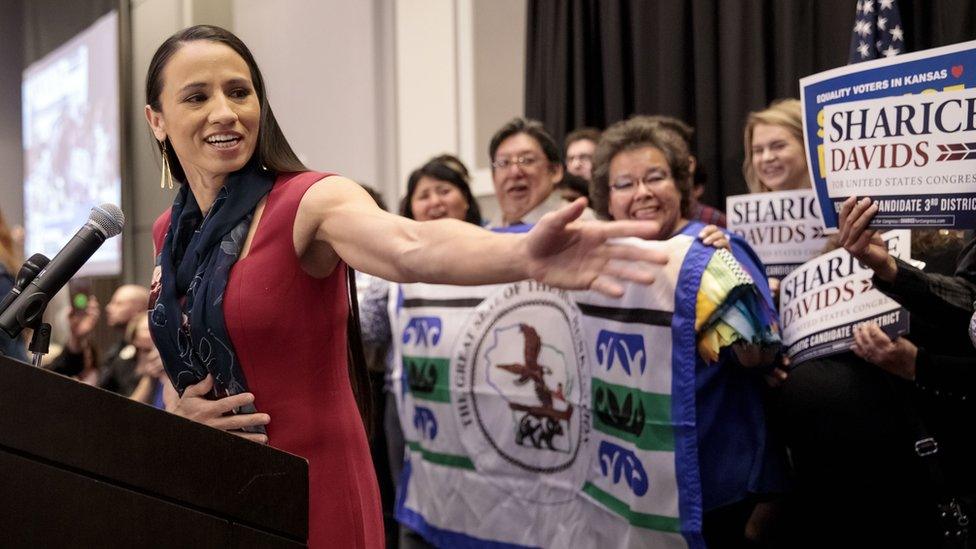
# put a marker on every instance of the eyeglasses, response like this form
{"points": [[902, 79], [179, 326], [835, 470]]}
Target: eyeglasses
{"points": [[579, 158], [626, 186], [524, 161]]}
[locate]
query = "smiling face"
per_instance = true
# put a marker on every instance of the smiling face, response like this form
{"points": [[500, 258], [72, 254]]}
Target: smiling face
{"points": [[436, 199], [642, 188], [209, 110], [519, 188], [778, 158]]}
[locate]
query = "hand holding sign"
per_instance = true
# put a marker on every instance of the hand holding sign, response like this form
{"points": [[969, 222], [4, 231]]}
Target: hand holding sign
{"points": [[864, 244], [895, 356], [826, 298], [898, 129]]}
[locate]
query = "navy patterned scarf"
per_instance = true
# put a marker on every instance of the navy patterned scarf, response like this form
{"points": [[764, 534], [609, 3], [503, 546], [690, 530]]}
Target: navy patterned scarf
{"points": [[187, 321]]}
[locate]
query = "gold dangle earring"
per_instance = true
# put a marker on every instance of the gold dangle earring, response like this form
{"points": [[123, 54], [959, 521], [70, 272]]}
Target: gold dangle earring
{"points": [[166, 176]]}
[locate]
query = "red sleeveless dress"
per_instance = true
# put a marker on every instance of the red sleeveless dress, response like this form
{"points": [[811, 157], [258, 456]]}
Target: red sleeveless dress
{"points": [[289, 332]]}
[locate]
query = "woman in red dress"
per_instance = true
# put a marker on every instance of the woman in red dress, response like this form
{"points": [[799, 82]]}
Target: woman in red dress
{"points": [[249, 303]]}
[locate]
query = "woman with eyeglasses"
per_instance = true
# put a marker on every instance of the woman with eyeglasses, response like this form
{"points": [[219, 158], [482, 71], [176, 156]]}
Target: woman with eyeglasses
{"points": [[641, 173]]}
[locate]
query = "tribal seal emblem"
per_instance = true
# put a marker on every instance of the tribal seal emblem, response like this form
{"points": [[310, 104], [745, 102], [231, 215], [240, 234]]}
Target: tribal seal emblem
{"points": [[522, 386]]}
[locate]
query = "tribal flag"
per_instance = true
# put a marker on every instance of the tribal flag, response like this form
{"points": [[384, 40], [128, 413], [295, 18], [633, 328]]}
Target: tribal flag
{"points": [[537, 417], [877, 31]]}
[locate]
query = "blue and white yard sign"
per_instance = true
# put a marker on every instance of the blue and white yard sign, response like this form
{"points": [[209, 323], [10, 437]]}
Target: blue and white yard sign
{"points": [[901, 130]]}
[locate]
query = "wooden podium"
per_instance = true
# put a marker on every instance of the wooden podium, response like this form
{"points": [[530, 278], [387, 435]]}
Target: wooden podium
{"points": [[83, 467]]}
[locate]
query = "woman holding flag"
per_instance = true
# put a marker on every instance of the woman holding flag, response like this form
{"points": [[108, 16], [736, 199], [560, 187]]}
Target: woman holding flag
{"points": [[641, 173]]}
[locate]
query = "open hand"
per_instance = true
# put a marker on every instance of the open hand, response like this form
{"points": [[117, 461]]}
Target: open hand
{"points": [[864, 244], [893, 356], [567, 253], [195, 406]]}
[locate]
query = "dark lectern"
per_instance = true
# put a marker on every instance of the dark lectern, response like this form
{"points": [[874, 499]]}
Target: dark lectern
{"points": [[82, 467]]}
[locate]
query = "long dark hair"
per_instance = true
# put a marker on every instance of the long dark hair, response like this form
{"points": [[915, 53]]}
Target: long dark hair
{"points": [[273, 151], [445, 168]]}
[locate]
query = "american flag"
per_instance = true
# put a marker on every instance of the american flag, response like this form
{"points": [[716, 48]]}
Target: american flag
{"points": [[877, 31]]}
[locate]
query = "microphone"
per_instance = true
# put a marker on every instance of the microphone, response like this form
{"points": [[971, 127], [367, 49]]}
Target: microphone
{"points": [[104, 222], [28, 272]]}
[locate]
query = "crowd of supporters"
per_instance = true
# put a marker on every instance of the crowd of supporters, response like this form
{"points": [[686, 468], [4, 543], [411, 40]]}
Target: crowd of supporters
{"points": [[791, 455]]}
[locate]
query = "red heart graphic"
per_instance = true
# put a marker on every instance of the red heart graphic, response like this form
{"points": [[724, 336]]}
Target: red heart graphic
{"points": [[957, 70]]}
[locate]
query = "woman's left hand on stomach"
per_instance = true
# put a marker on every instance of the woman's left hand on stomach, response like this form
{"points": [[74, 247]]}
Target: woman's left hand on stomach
{"points": [[195, 406]]}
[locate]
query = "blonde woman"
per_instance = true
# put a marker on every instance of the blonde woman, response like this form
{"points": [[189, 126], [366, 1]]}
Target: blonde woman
{"points": [[775, 159]]}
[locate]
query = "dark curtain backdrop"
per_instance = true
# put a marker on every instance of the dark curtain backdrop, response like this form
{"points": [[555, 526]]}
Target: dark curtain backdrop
{"points": [[708, 62]]}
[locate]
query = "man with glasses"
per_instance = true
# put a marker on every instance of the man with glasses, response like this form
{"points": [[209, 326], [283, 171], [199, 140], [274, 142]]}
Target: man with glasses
{"points": [[525, 167], [580, 146]]}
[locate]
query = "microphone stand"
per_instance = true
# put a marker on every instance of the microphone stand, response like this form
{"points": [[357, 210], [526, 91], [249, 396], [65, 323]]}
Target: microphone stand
{"points": [[40, 342], [41, 331]]}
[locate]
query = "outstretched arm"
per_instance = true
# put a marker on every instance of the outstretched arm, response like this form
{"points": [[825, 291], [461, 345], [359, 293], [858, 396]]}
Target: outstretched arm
{"points": [[559, 250]]}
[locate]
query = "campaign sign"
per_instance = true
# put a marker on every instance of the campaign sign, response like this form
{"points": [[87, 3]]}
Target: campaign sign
{"points": [[901, 130], [785, 228], [825, 298], [916, 155]]}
